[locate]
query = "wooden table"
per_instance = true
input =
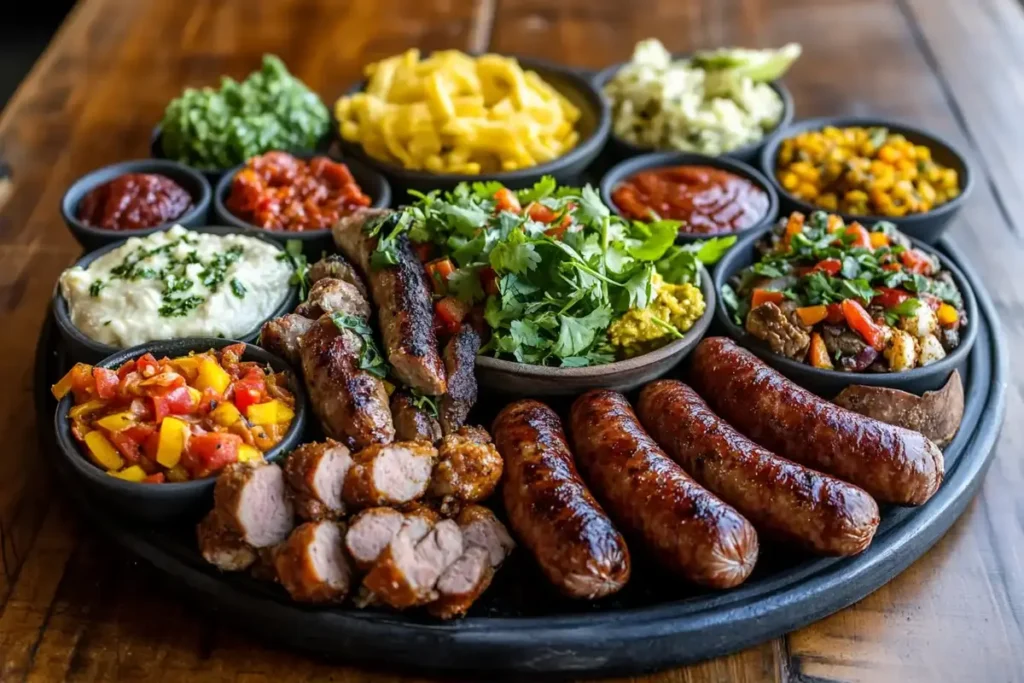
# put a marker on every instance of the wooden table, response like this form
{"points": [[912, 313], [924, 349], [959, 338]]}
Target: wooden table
{"points": [[72, 606]]}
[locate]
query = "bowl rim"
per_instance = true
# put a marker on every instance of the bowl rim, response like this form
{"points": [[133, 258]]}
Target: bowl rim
{"points": [[223, 187], [690, 337], [585, 149], [772, 144], [62, 312], [654, 160], [601, 78], [88, 182], [889, 379], [73, 452]]}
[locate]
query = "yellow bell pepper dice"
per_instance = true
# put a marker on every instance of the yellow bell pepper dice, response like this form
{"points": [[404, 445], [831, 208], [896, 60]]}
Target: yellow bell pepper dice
{"points": [[86, 408], [116, 422], [271, 412], [212, 376], [102, 452], [947, 315], [196, 395], [131, 473], [247, 453], [225, 414], [173, 436], [187, 366]]}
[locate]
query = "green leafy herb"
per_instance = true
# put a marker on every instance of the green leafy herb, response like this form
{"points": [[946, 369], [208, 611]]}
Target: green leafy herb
{"points": [[370, 358], [300, 268], [237, 288], [96, 287], [906, 308], [424, 403]]}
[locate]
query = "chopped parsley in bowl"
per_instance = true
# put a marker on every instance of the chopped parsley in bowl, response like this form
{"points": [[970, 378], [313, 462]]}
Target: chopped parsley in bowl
{"points": [[549, 275]]}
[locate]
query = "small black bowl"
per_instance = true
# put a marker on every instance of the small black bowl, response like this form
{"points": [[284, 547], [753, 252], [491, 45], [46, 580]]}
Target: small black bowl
{"points": [[314, 242], [620, 149], [926, 227], [163, 502], [828, 383], [593, 127], [92, 238], [625, 169], [82, 348]]}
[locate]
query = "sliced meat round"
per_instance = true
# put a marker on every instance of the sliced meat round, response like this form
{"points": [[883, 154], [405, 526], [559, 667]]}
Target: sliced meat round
{"points": [[221, 545], [789, 501], [351, 403], [337, 267], [253, 501], [281, 336], [403, 301], [406, 572], [550, 508], [311, 565], [370, 532], [316, 474], [460, 364], [462, 583], [686, 527], [389, 474], [481, 528], [331, 295], [412, 423], [469, 466]]}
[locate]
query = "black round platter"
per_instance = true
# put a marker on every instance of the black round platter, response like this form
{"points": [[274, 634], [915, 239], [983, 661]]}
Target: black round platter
{"points": [[520, 627]]}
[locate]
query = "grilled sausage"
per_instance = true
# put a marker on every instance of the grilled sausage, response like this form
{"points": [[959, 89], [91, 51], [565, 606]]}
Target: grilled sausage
{"points": [[389, 474], [468, 469], [550, 508], [407, 570], [893, 464], [460, 364], [315, 473], [351, 403], [336, 266], [311, 564], [253, 502], [221, 546], [688, 529], [369, 533], [412, 423], [333, 295], [281, 336], [403, 303], [787, 500]]}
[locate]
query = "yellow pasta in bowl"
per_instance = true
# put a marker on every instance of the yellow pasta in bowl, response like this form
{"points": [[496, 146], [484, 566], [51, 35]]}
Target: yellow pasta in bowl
{"points": [[453, 113]]}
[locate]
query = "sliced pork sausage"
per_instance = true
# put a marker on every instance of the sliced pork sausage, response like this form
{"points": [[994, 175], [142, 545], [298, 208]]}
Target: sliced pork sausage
{"points": [[253, 501], [330, 295], [412, 422], [370, 532], [389, 474], [469, 467], [315, 473], [221, 545], [336, 266], [311, 564], [281, 336], [407, 570]]}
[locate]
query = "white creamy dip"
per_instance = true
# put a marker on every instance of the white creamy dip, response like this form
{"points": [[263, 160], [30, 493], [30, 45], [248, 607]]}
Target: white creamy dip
{"points": [[177, 283]]}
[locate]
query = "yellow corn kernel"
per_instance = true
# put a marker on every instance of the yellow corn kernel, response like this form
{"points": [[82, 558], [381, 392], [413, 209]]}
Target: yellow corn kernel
{"points": [[173, 436], [927, 192], [807, 191], [225, 414], [115, 422], [131, 473], [949, 178], [789, 180], [895, 211], [102, 452], [856, 196], [902, 190], [247, 453], [271, 412], [212, 376], [828, 201], [923, 153], [889, 154], [947, 315]]}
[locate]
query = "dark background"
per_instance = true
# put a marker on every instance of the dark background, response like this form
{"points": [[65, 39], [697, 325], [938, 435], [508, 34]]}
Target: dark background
{"points": [[24, 34]]}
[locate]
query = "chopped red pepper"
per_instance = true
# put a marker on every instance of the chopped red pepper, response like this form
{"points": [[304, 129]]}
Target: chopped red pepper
{"points": [[449, 313], [177, 401], [147, 365], [489, 280], [860, 234], [834, 314], [861, 323], [916, 262], [212, 451], [423, 250], [829, 266], [889, 297], [506, 200], [157, 478], [439, 271], [106, 383], [764, 296], [540, 213]]}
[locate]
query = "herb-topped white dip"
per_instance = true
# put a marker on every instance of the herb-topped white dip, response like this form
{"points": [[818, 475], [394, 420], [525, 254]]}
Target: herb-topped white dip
{"points": [[175, 284]]}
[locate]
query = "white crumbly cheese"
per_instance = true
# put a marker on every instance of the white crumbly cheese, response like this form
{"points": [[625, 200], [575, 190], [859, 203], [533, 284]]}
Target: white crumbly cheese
{"points": [[177, 283], [931, 350], [901, 351]]}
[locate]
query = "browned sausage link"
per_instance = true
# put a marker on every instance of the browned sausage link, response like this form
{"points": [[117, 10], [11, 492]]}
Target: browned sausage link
{"points": [[893, 464], [550, 508], [686, 527], [814, 510]]}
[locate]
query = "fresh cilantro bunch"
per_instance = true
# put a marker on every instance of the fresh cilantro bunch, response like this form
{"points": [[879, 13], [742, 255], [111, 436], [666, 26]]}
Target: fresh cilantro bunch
{"points": [[271, 109], [561, 281]]}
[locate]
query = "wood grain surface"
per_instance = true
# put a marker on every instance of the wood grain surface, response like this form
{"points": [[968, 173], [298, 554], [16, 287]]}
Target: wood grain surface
{"points": [[74, 607]]}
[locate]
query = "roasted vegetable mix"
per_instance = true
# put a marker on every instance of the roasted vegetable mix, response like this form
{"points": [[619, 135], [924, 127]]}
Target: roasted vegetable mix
{"points": [[549, 275], [174, 420], [271, 109], [846, 297], [864, 171]]}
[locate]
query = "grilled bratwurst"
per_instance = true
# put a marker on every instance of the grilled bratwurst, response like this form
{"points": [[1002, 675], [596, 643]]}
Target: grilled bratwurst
{"points": [[316, 473], [460, 364], [281, 336], [412, 423], [331, 295]]}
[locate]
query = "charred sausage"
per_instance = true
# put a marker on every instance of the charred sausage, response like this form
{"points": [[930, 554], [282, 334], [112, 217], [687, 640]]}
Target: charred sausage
{"points": [[686, 527], [787, 500], [315, 473], [550, 508], [252, 502], [333, 295], [468, 469], [389, 474], [281, 336], [460, 364], [311, 564], [893, 464], [412, 422]]}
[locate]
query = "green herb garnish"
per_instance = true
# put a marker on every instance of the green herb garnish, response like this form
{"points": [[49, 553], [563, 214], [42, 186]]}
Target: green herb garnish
{"points": [[300, 267], [237, 288], [370, 358]]}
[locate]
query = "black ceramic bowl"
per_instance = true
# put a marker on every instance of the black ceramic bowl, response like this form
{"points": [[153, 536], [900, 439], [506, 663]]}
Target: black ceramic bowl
{"points": [[593, 127], [314, 242], [163, 502], [82, 348], [625, 169], [828, 383], [926, 227], [92, 238], [156, 150], [619, 149]]}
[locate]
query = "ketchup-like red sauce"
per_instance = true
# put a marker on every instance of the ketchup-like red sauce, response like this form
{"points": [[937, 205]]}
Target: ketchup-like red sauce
{"points": [[708, 200], [134, 201]]}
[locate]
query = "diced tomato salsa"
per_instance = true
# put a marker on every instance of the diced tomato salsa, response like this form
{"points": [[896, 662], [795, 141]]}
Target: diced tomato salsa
{"points": [[177, 419]]}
